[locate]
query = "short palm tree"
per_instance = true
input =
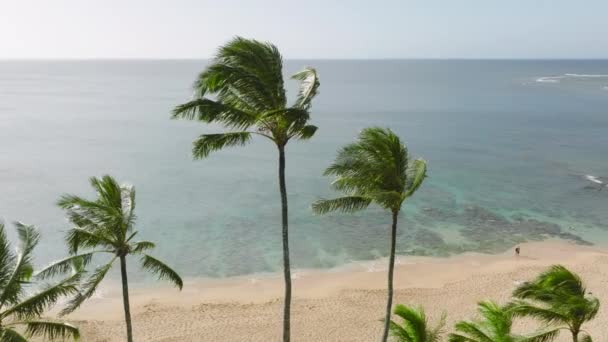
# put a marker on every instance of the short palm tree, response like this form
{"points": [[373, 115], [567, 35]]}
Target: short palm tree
{"points": [[495, 326], [375, 169], [19, 312], [557, 297], [415, 326], [249, 99], [106, 226]]}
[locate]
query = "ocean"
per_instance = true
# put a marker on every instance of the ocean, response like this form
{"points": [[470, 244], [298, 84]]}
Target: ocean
{"points": [[516, 150]]}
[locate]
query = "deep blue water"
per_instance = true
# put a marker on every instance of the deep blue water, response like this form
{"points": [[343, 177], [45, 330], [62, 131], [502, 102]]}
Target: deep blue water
{"points": [[508, 151]]}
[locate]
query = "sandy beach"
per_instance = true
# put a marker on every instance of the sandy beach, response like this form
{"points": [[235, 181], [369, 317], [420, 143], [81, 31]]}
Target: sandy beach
{"points": [[337, 305]]}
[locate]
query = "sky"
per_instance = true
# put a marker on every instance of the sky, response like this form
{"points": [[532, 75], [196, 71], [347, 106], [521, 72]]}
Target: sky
{"points": [[332, 29]]}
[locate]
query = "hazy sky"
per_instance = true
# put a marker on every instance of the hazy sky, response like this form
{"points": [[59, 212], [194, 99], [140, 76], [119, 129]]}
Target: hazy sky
{"points": [[306, 28]]}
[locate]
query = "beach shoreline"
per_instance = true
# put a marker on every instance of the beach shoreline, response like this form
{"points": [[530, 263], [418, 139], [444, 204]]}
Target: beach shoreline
{"points": [[343, 304]]}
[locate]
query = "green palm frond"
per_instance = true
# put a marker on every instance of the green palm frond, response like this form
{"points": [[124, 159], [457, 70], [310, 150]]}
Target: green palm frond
{"points": [[17, 275], [51, 330], [78, 238], [494, 326], [66, 265], [304, 133], [161, 270], [22, 270], [539, 336], [207, 110], [88, 288], [548, 315], [556, 278], [10, 335], [35, 305], [345, 204], [414, 327], [586, 338], [142, 246], [308, 88], [208, 143], [416, 173], [6, 258]]}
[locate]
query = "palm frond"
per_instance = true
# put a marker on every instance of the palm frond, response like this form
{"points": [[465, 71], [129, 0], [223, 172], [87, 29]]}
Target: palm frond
{"points": [[209, 111], [474, 330], [65, 265], [586, 338], [22, 269], [10, 335], [414, 327], [308, 88], [208, 143], [256, 70], [88, 288], [7, 258], [35, 305], [161, 270], [52, 330], [142, 246], [305, 132], [416, 173], [78, 238], [345, 204], [548, 315], [540, 336], [454, 337]]}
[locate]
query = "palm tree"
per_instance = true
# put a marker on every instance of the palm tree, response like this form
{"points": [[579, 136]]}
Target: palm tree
{"points": [[415, 326], [495, 327], [375, 169], [18, 311], [557, 297], [106, 226], [246, 81]]}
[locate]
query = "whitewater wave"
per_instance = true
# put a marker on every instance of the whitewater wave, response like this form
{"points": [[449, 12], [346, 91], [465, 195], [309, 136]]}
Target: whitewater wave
{"points": [[557, 79], [593, 179]]}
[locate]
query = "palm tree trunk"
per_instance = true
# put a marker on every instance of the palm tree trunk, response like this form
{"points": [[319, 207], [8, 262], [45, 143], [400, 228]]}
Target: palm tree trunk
{"points": [[285, 235], [125, 297], [575, 336], [391, 267]]}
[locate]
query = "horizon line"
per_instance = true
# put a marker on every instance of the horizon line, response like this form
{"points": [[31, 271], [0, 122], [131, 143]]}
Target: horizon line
{"points": [[68, 59]]}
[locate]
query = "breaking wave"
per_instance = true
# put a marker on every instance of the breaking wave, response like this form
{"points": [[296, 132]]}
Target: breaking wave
{"points": [[557, 79]]}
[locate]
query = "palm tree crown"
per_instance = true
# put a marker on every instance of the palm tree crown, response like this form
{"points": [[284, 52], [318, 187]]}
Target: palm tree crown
{"points": [[18, 310], [246, 81], [495, 326], [415, 326], [375, 169], [557, 297]]}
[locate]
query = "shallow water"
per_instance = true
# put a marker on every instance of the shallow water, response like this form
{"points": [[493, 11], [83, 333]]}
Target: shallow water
{"points": [[510, 147]]}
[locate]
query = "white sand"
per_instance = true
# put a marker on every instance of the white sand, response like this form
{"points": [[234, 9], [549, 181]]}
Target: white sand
{"points": [[337, 305]]}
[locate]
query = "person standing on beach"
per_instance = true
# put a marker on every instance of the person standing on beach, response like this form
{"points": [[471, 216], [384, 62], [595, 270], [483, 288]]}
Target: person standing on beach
{"points": [[517, 251]]}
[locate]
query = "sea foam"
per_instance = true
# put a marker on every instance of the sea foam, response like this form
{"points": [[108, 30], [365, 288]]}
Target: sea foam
{"points": [[557, 79]]}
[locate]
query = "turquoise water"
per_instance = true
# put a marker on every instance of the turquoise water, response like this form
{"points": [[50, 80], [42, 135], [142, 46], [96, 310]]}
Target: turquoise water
{"points": [[509, 146]]}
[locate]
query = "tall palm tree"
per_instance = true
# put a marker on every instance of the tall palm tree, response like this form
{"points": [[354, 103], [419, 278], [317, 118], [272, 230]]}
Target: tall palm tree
{"points": [[557, 297], [375, 169], [246, 82], [415, 326], [106, 226], [19, 312], [495, 326]]}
